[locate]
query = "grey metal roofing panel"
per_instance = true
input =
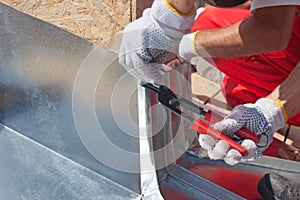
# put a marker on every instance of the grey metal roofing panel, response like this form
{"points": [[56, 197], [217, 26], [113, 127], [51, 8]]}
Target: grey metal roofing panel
{"points": [[30, 171], [39, 64]]}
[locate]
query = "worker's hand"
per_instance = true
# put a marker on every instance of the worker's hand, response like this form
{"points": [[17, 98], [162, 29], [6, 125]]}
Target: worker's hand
{"points": [[149, 40], [187, 46], [263, 118]]}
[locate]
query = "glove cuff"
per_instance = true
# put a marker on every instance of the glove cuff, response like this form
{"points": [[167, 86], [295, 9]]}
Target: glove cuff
{"points": [[273, 112], [163, 12], [187, 46], [283, 109]]}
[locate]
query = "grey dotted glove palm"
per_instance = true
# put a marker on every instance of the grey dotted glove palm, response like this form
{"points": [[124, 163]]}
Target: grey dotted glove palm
{"points": [[263, 118]]}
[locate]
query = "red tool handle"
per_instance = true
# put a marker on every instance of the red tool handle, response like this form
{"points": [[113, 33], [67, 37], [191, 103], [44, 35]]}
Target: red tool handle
{"points": [[203, 128], [242, 133]]}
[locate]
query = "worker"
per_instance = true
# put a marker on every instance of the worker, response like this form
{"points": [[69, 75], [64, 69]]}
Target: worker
{"points": [[272, 26], [243, 47]]}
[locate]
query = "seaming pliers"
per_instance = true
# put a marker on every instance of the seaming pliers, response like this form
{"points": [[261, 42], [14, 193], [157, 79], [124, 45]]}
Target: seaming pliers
{"points": [[201, 125]]}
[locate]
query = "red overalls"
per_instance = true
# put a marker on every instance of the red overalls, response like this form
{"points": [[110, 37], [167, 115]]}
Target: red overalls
{"points": [[252, 77]]}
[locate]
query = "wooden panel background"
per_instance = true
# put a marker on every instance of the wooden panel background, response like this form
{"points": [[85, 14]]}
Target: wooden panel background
{"points": [[95, 20]]}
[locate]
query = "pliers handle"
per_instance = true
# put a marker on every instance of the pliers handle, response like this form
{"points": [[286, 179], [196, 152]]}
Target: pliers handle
{"points": [[173, 102]]}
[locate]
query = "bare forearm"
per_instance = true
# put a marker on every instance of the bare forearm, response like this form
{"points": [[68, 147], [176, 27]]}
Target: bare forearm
{"points": [[183, 6], [288, 93], [268, 29]]}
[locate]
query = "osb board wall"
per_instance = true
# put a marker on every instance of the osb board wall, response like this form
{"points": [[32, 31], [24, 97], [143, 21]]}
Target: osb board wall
{"points": [[95, 20]]}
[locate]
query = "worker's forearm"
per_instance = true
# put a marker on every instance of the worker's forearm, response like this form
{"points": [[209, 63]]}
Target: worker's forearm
{"points": [[183, 6], [288, 93], [268, 29], [223, 42]]}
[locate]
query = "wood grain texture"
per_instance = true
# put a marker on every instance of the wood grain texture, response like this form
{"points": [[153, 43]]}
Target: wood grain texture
{"points": [[95, 20]]}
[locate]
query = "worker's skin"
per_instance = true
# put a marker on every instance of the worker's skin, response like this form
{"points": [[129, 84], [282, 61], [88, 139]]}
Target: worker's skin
{"points": [[267, 29]]}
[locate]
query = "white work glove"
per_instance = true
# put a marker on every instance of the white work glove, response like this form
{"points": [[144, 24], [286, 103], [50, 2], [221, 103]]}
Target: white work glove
{"points": [[148, 40], [263, 118], [187, 46]]}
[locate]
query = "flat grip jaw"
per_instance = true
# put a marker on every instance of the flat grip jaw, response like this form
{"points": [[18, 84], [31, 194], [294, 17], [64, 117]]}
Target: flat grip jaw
{"points": [[203, 128], [167, 97]]}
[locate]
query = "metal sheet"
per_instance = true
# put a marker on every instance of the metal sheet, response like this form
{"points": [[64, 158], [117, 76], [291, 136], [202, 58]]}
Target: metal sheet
{"points": [[30, 171], [191, 186], [241, 179], [170, 143], [40, 66]]}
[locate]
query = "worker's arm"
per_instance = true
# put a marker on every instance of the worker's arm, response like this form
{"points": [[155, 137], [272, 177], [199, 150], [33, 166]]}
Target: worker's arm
{"points": [[263, 118], [148, 41], [268, 29]]}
